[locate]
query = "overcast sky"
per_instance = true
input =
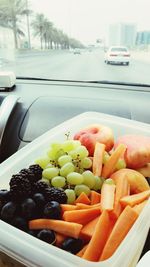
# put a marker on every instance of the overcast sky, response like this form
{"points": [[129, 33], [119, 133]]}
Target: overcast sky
{"points": [[88, 20]]}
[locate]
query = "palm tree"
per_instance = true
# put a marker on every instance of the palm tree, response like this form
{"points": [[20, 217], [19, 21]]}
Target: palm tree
{"points": [[39, 26], [48, 34], [11, 12]]}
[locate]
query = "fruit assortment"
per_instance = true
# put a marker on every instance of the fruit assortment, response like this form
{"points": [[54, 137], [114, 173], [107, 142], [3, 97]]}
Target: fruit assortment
{"points": [[82, 195]]}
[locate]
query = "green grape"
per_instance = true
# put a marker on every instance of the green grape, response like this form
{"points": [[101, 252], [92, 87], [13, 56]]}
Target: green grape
{"points": [[74, 178], [66, 169], [79, 170], [105, 157], [109, 181], [51, 154], [60, 153], [80, 152], [121, 164], [98, 183], [49, 173], [43, 161], [49, 165], [82, 188], [58, 181], [70, 196], [89, 179], [86, 163], [64, 159], [76, 143], [68, 145], [56, 146], [55, 151]]}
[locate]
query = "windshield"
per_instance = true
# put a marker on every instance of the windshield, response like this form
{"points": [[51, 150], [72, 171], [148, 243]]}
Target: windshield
{"points": [[68, 39]]}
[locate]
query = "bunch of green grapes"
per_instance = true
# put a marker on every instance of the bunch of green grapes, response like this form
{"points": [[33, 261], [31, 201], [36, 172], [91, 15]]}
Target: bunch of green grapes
{"points": [[68, 166]]}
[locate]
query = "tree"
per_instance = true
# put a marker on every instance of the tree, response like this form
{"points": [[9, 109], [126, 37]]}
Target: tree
{"points": [[11, 12], [38, 25], [48, 34]]}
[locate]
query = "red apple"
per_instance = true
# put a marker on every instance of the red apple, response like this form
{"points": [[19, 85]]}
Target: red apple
{"points": [[137, 154], [95, 133]]}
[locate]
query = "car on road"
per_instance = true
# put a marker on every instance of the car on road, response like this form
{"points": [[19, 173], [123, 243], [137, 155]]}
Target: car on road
{"points": [[117, 55], [77, 51]]}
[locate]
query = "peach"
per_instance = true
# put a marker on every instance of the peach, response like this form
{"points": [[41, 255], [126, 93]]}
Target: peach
{"points": [[138, 150], [95, 133], [137, 181], [145, 170]]}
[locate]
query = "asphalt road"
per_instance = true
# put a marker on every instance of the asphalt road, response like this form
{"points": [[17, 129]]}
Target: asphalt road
{"points": [[85, 66]]}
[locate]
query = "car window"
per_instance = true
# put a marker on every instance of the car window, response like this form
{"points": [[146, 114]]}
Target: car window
{"points": [[44, 39], [119, 49]]}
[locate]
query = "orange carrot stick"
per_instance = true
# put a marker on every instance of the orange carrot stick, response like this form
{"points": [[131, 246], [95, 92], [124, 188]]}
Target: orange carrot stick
{"points": [[107, 196], [83, 198], [119, 231], [84, 206], [81, 252], [135, 199], [59, 239], [62, 227], [98, 240], [110, 165], [95, 197], [82, 216], [98, 159], [66, 207], [122, 189], [88, 229]]}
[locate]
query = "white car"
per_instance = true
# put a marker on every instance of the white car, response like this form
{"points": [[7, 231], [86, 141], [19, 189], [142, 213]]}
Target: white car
{"points": [[77, 51], [118, 55]]}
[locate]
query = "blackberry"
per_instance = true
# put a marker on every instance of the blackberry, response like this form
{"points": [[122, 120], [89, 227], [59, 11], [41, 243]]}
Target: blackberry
{"points": [[55, 194], [33, 173], [40, 187], [37, 171], [29, 175], [20, 186]]}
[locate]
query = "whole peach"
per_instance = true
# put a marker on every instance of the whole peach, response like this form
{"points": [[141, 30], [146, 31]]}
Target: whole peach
{"points": [[95, 133], [138, 150]]}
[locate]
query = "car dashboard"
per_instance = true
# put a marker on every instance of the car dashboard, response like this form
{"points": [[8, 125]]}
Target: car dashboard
{"points": [[34, 107]]}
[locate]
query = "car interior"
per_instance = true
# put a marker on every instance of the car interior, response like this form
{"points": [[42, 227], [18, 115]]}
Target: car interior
{"points": [[31, 106]]}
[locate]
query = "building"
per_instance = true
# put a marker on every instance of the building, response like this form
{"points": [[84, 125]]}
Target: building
{"points": [[143, 38], [122, 34]]}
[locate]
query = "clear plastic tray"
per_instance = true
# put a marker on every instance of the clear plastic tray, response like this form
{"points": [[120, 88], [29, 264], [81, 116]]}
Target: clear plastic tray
{"points": [[33, 252]]}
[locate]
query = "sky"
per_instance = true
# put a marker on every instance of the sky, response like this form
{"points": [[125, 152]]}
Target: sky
{"points": [[89, 20]]}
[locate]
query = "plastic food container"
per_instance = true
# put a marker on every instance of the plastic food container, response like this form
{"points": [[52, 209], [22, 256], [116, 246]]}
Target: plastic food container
{"points": [[33, 252]]}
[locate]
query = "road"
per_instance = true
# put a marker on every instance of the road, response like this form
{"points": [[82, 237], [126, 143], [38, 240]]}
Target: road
{"points": [[85, 66]]}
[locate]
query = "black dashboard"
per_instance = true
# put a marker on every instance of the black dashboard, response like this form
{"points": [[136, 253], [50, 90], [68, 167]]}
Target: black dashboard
{"points": [[33, 107]]}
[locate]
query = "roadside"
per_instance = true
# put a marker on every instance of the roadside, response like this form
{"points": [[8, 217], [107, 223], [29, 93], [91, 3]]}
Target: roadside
{"points": [[141, 55]]}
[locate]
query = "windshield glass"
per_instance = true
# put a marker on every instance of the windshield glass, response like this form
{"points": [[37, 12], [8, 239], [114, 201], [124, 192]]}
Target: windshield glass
{"points": [[68, 39]]}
